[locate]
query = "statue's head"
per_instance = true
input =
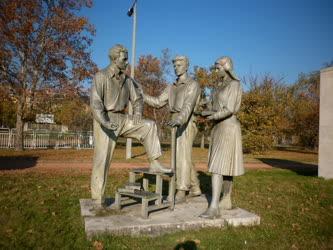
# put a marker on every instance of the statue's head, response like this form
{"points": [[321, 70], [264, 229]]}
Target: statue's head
{"points": [[224, 66], [180, 64], [118, 55]]}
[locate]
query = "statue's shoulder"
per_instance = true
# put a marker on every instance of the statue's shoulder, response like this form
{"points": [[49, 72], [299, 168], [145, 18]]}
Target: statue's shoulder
{"points": [[235, 83], [102, 74], [193, 83]]}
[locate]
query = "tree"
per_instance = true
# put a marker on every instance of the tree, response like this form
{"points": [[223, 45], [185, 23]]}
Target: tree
{"points": [[75, 113], [44, 45], [150, 74], [7, 110], [263, 113], [207, 80], [305, 108]]}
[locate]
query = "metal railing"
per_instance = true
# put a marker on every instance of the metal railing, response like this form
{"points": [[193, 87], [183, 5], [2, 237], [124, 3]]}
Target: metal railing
{"points": [[46, 139]]}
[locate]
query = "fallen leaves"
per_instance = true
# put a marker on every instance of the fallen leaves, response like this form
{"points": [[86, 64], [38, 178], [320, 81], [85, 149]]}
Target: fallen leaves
{"points": [[294, 247], [98, 245], [296, 226]]}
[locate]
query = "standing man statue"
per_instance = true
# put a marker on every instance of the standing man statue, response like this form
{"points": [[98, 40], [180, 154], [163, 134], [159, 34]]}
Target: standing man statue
{"points": [[111, 92], [183, 96]]}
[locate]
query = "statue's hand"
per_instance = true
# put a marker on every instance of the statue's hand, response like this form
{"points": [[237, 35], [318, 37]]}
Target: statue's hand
{"points": [[137, 119], [174, 123], [207, 113], [212, 116], [111, 126]]}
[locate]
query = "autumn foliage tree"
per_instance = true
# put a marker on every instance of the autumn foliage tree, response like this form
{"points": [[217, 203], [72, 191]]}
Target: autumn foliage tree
{"points": [[149, 73], [207, 81], [304, 109], [70, 109], [263, 113], [44, 45], [75, 113], [7, 108]]}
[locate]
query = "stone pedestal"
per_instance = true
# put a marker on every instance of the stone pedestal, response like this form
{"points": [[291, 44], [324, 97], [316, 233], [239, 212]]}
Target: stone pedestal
{"points": [[185, 216], [326, 124]]}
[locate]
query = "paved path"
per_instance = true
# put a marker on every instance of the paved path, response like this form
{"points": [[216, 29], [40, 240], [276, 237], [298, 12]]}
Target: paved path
{"points": [[40, 166]]}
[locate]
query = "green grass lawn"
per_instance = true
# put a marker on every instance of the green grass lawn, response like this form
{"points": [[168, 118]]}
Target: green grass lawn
{"points": [[41, 211]]}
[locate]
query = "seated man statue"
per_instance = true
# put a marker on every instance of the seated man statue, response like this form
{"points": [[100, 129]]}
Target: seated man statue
{"points": [[111, 92]]}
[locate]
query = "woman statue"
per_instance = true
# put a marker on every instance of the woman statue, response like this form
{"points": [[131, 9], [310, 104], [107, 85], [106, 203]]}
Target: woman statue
{"points": [[225, 153]]}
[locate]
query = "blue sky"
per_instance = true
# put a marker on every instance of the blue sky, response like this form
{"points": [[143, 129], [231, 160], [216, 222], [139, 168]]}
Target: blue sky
{"points": [[280, 37]]}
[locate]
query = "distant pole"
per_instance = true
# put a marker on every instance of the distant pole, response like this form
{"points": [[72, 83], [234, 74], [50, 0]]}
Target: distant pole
{"points": [[131, 11]]}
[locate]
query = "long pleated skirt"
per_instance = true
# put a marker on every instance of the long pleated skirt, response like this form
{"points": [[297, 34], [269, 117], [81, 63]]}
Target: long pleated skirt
{"points": [[225, 152]]}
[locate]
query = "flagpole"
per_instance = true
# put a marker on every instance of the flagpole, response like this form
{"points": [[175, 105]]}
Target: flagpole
{"points": [[130, 110]]}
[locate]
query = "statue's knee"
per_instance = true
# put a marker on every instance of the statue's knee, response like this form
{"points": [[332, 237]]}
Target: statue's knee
{"points": [[150, 124]]}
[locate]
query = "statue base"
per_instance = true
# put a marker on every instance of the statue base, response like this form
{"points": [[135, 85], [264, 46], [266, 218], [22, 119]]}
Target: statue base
{"points": [[185, 216]]}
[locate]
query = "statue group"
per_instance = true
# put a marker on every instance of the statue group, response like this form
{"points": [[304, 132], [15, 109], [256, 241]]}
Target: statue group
{"points": [[111, 93]]}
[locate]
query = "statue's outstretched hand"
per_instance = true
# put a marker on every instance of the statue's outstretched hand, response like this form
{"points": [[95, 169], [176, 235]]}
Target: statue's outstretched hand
{"points": [[207, 113], [211, 117], [174, 123], [111, 126]]}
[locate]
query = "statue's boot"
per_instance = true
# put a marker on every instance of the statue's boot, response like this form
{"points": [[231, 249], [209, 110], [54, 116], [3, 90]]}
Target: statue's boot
{"points": [[194, 191], [157, 167], [195, 185], [211, 213], [225, 203], [180, 196]]}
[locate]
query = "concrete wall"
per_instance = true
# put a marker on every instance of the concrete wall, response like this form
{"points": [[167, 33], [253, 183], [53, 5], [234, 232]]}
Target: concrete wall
{"points": [[326, 124]]}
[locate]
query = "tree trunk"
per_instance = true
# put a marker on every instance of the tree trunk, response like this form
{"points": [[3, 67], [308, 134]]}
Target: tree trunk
{"points": [[19, 128], [202, 145]]}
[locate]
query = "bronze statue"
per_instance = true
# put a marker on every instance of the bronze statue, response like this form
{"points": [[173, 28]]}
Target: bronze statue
{"points": [[225, 153], [183, 96], [111, 92]]}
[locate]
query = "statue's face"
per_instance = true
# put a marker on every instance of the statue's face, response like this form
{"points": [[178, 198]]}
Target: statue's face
{"points": [[180, 67], [220, 70], [122, 61]]}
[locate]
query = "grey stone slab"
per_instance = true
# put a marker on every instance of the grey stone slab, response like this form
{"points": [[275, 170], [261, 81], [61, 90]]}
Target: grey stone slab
{"points": [[185, 216], [325, 166]]}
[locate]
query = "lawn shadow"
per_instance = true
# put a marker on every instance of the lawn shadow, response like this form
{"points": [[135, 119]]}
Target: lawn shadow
{"points": [[205, 185], [17, 162], [187, 245], [300, 168]]}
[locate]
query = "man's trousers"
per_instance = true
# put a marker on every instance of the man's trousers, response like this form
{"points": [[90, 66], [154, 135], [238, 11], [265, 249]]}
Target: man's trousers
{"points": [[105, 142]]}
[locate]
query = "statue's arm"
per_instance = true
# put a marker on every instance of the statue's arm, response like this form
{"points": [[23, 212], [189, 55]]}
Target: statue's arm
{"points": [[191, 97], [232, 105], [220, 115], [159, 101], [136, 98], [96, 101]]}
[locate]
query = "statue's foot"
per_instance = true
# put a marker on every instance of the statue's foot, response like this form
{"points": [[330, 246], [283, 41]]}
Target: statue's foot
{"points": [[98, 204], [156, 167], [180, 196], [211, 213], [194, 191], [225, 203]]}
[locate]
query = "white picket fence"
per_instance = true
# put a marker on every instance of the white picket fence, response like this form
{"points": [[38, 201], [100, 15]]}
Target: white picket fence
{"points": [[39, 139]]}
